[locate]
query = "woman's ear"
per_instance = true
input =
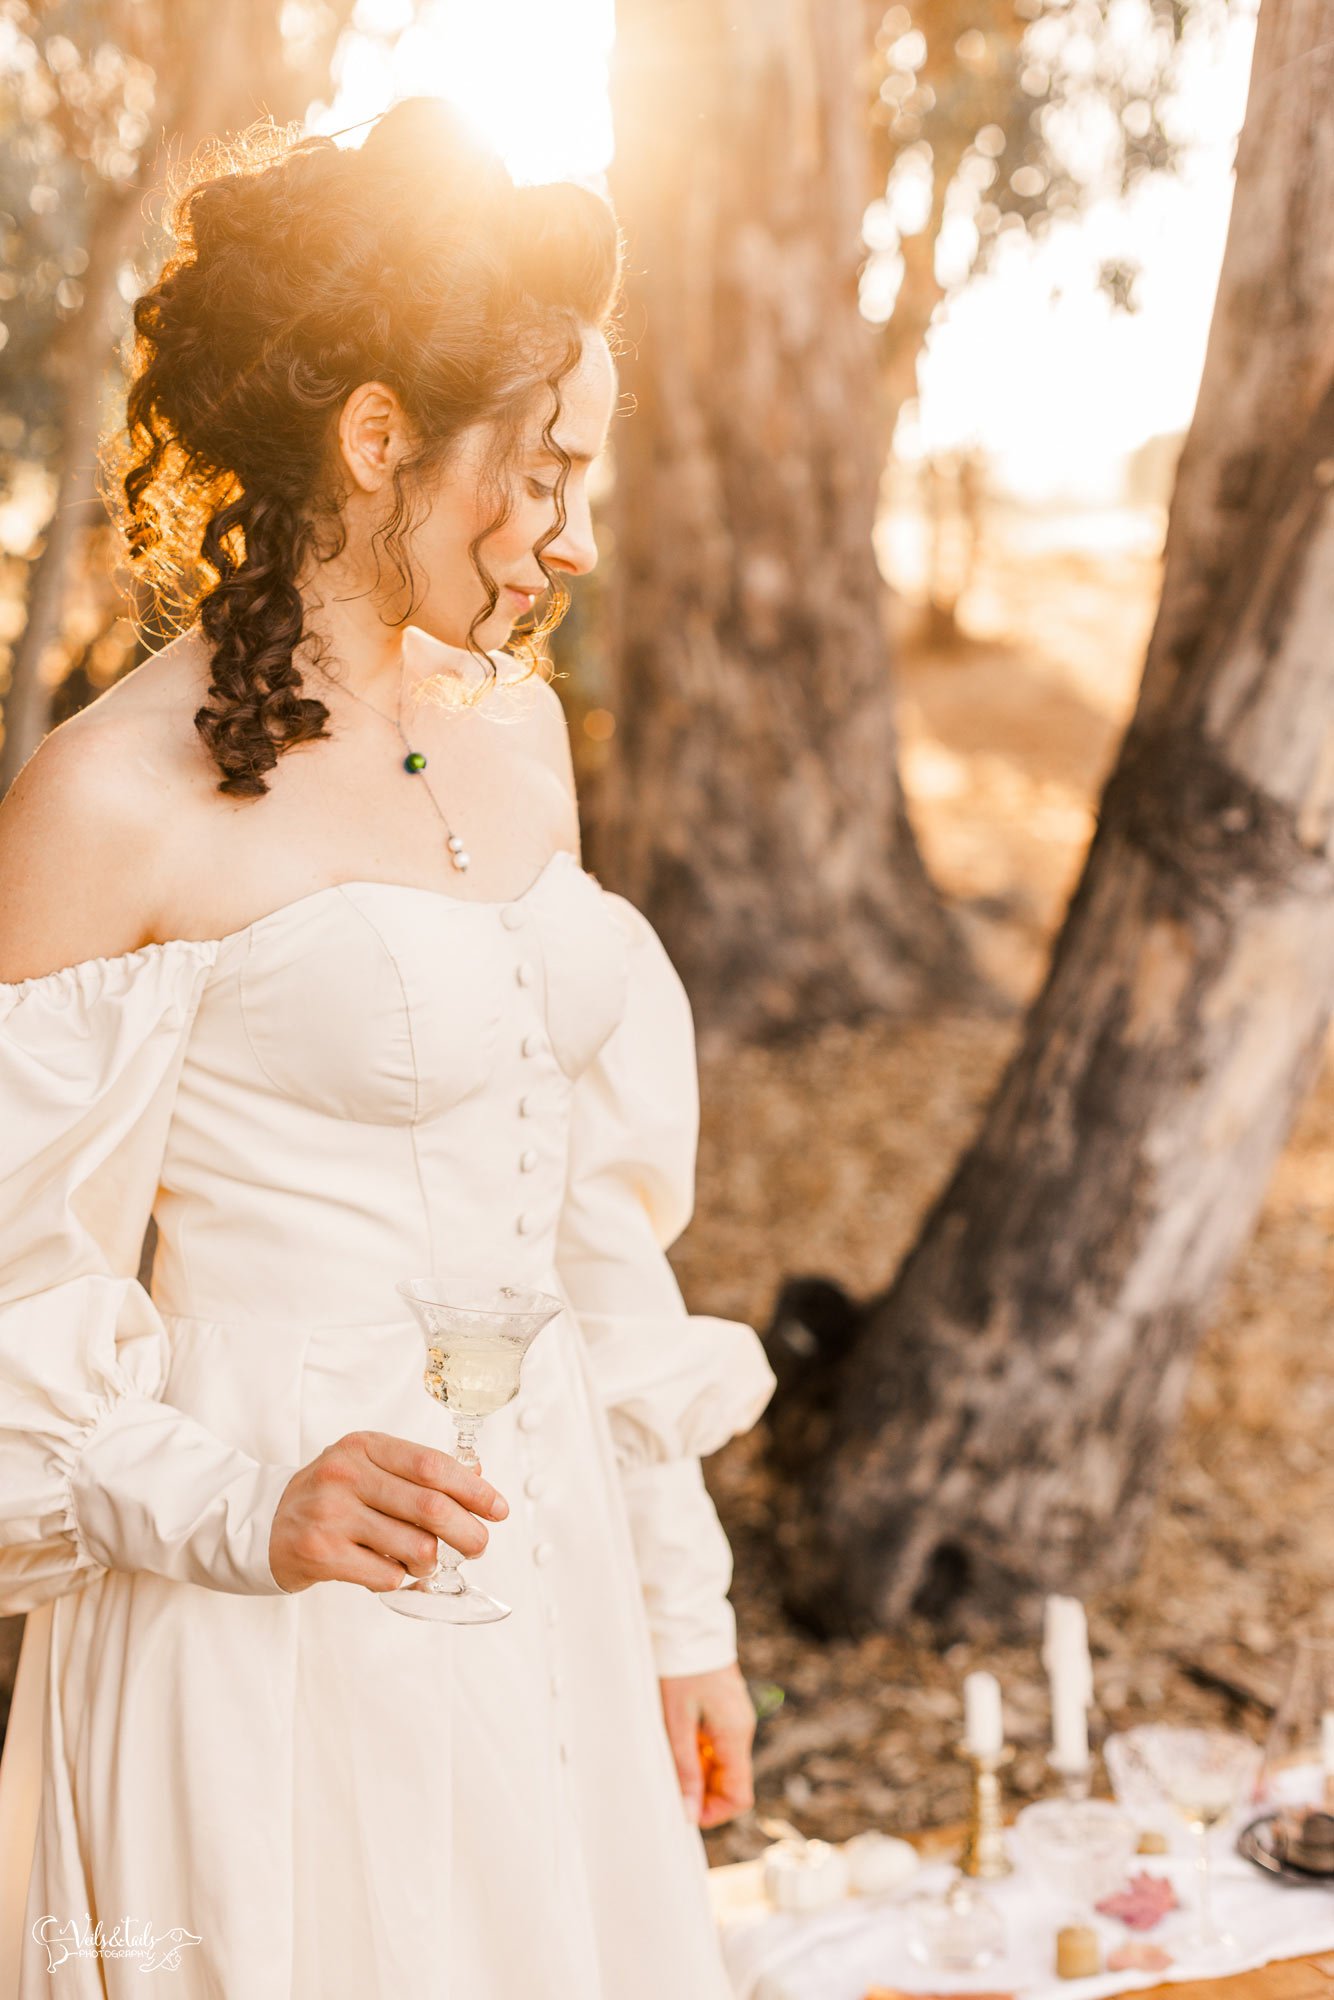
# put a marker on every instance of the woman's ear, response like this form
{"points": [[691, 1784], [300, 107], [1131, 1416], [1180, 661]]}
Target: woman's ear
{"points": [[372, 434]]}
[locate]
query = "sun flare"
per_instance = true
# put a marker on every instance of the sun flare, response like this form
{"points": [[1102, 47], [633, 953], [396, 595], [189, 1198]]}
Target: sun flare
{"points": [[530, 77]]}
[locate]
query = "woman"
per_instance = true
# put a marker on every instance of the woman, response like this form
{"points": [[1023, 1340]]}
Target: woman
{"points": [[306, 964]]}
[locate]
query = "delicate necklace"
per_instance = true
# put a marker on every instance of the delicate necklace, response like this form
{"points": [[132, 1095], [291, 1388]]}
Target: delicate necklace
{"points": [[415, 763]]}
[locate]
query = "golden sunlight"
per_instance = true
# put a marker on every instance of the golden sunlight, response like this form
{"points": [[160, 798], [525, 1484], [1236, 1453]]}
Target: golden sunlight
{"points": [[1008, 366], [531, 77]]}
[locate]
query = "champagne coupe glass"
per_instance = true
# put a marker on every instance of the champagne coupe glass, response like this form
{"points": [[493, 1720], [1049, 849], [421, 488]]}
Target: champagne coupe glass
{"points": [[956, 1929], [1299, 1754], [1206, 1774], [476, 1337], [1078, 1849], [1297, 1783]]}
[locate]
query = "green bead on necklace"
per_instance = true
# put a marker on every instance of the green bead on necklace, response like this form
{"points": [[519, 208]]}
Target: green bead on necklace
{"points": [[414, 762]]}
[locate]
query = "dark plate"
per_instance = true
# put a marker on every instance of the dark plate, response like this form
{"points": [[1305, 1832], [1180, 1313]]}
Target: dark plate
{"points": [[1256, 1843]]}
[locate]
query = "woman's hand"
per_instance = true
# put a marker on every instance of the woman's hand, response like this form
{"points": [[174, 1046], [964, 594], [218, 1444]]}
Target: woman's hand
{"points": [[711, 1725], [368, 1510]]}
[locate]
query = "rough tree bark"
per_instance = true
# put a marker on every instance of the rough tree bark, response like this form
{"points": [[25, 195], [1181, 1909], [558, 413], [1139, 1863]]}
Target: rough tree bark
{"points": [[999, 1419], [753, 805]]}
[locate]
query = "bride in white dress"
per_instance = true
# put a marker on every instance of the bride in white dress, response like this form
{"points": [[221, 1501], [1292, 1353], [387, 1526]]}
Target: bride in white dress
{"points": [[256, 986]]}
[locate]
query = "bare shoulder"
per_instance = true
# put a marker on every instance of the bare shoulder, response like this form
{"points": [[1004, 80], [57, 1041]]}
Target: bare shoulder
{"points": [[85, 827]]}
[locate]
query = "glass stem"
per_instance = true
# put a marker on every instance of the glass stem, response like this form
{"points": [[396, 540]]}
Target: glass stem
{"points": [[1208, 1928], [465, 1441], [445, 1576]]}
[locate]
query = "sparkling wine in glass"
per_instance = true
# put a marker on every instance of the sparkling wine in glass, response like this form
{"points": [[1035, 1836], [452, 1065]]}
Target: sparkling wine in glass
{"points": [[1207, 1775], [476, 1337]]}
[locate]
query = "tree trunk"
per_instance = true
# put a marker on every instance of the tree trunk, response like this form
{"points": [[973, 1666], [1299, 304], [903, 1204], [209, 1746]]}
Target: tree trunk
{"points": [[999, 1421], [244, 75], [753, 805], [88, 348]]}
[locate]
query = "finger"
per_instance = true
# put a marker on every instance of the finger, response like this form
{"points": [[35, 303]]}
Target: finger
{"points": [[728, 1784], [368, 1567], [728, 1790], [717, 1809], [422, 1507], [685, 1755], [422, 1465], [414, 1547]]}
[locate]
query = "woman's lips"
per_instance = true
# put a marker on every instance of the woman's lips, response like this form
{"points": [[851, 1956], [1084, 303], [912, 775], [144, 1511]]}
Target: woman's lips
{"points": [[525, 599]]}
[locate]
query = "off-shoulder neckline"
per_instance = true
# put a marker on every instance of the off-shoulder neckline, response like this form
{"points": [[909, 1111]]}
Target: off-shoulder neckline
{"points": [[211, 946]]}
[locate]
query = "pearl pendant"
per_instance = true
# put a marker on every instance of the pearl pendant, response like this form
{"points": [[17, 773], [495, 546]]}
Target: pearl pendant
{"points": [[460, 859]]}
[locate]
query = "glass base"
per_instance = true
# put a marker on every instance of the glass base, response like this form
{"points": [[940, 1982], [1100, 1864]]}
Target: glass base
{"points": [[1215, 1947], [468, 1606]]}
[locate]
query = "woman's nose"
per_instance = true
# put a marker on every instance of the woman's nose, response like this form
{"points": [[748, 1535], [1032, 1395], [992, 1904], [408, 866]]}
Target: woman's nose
{"points": [[575, 548]]}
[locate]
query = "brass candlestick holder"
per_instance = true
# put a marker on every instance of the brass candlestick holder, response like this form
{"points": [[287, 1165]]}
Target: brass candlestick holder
{"points": [[984, 1855]]}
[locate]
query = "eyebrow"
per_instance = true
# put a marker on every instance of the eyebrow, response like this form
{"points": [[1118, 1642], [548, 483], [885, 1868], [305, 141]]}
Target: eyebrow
{"points": [[575, 457]]}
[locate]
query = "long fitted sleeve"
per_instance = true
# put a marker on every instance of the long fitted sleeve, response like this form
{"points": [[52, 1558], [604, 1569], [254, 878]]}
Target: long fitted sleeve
{"points": [[97, 1472], [676, 1385]]}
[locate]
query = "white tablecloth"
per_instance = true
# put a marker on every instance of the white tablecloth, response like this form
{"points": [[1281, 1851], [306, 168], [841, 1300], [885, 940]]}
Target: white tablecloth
{"points": [[836, 1954]]}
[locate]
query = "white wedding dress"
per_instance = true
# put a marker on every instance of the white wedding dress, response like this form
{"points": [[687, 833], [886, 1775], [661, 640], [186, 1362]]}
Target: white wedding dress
{"points": [[304, 1797]]}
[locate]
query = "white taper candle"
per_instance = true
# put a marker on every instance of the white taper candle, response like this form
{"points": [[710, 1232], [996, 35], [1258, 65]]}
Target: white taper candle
{"points": [[983, 1730], [1065, 1654]]}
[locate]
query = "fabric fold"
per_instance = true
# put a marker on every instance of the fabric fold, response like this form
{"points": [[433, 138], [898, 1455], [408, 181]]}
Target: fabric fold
{"points": [[675, 1385], [97, 1472]]}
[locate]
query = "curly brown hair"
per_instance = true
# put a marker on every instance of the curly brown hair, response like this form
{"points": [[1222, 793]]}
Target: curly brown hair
{"points": [[302, 269]]}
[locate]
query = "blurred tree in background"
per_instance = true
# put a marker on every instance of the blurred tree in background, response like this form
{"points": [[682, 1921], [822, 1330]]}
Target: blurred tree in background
{"points": [[95, 96], [992, 118], [754, 806], [996, 1426]]}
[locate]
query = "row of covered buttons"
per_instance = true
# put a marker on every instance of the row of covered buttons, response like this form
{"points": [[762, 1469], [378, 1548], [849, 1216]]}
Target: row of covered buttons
{"points": [[534, 1484], [531, 1047], [512, 916]]}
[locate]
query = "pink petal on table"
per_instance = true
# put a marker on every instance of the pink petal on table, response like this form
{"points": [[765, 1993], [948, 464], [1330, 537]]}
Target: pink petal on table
{"points": [[1144, 1902], [1139, 1958]]}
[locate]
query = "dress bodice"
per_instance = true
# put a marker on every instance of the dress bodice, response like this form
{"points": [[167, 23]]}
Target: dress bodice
{"points": [[378, 1079]]}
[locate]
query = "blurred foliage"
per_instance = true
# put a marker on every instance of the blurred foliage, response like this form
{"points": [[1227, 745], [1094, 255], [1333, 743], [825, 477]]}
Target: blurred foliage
{"points": [[993, 118], [102, 102], [89, 90], [74, 113]]}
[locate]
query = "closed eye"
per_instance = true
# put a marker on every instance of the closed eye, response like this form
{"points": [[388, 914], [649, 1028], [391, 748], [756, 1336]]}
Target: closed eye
{"points": [[539, 491]]}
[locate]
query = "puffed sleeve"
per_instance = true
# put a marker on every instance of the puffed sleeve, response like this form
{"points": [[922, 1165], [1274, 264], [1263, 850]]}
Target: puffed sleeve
{"points": [[675, 1385], [96, 1471]]}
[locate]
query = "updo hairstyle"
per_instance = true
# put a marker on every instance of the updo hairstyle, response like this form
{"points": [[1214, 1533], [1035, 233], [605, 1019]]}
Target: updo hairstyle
{"points": [[302, 269]]}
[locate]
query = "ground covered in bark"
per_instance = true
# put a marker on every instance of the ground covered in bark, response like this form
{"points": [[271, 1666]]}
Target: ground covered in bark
{"points": [[823, 1157]]}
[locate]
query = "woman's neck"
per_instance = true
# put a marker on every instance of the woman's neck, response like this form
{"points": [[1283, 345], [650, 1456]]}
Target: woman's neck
{"points": [[347, 643]]}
